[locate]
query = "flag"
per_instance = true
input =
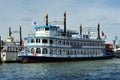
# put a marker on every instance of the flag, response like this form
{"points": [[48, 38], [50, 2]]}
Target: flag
{"points": [[103, 34], [34, 23]]}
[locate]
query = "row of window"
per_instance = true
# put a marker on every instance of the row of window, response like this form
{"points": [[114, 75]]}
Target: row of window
{"points": [[45, 29], [64, 51], [65, 42], [37, 50], [13, 48], [39, 41]]}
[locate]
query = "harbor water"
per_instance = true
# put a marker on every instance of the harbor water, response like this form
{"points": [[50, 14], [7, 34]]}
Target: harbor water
{"points": [[74, 70]]}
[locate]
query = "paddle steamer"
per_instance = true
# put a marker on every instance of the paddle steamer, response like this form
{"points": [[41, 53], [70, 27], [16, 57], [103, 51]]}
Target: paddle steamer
{"points": [[51, 43]]}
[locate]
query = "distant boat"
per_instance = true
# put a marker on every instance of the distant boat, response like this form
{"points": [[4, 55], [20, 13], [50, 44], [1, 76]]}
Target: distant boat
{"points": [[51, 43], [117, 52], [10, 51], [1, 47]]}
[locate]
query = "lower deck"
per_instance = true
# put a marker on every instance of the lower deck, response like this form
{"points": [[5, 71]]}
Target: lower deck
{"points": [[61, 52], [58, 59]]}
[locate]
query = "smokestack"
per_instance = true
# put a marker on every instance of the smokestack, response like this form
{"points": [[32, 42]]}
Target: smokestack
{"points": [[0, 41], [10, 31], [81, 31], [65, 23], [98, 31], [0, 48], [20, 36], [46, 19]]}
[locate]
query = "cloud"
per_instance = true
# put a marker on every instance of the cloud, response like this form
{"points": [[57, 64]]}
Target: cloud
{"points": [[28, 19]]}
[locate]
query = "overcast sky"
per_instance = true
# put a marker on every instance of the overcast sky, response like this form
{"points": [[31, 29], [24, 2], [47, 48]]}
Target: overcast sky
{"points": [[15, 13]]}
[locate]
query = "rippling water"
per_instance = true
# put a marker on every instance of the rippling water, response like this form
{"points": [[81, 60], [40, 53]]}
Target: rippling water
{"points": [[76, 70]]}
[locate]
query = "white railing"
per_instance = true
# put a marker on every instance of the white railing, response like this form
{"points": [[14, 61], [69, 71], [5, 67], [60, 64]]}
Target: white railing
{"points": [[93, 47]]}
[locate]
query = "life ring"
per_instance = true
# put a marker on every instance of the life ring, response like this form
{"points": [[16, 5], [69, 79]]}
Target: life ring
{"points": [[34, 53]]}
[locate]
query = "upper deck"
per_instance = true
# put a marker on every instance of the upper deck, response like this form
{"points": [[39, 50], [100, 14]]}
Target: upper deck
{"points": [[49, 32]]}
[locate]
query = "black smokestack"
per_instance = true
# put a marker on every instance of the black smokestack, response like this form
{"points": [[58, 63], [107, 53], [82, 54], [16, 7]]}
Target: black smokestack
{"points": [[0, 48], [65, 23], [46, 19], [80, 30], [10, 31], [98, 31], [0, 41], [20, 36]]}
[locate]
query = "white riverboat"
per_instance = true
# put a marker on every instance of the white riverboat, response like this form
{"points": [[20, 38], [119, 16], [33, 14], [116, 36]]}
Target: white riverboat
{"points": [[11, 48], [51, 43]]}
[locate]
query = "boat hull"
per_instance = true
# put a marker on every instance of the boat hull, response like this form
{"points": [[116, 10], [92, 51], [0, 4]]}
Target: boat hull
{"points": [[35, 59]]}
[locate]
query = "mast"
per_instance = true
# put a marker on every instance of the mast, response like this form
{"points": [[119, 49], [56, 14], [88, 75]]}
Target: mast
{"points": [[0, 42], [0, 48], [65, 23], [10, 31], [20, 36], [98, 31], [81, 31], [46, 19]]}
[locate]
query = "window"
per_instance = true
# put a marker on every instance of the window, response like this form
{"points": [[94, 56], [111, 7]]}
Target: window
{"points": [[37, 40], [38, 50], [55, 51], [51, 41], [51, 51], [67, 51], [84, 43], [46, 29], [28, 41], [55, 41], [75, 52], [28, 50], [64, 51], [67, 43], [41, 29], [59, 42], [37, 29], [32, 50], [74, 43], [51, 29], [32, 40], [78, 52], [44, 41], [71, 52], [63, 42], [59, 51], [25, 49], [44, 51]]}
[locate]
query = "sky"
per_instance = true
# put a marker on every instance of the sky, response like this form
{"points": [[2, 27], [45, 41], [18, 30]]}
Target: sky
{"points": [[16, 13]]}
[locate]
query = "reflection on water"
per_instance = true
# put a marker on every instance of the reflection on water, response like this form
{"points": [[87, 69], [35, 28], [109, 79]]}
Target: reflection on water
{"points": [[76, 70]]}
